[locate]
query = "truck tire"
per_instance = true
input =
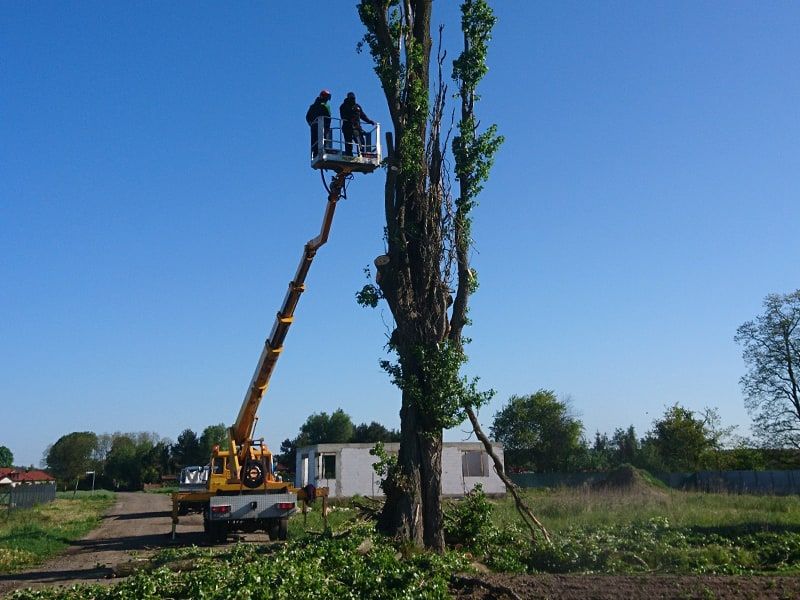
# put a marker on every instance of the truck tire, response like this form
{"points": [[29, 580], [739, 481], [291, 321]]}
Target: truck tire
{"points": [[252, 474], [273, 530], [277, 529], [217, 532], [283, 528]]}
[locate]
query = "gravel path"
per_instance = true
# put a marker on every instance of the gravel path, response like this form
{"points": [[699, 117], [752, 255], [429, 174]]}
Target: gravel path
{"points": [[138, 524]]}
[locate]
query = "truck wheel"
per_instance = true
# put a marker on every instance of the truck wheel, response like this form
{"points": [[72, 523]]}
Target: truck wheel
{"points": [[217, 532], [273, 529], [283, 528]]}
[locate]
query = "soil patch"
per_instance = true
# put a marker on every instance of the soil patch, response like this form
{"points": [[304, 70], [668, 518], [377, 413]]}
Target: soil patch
{"points": [[612, 587]]}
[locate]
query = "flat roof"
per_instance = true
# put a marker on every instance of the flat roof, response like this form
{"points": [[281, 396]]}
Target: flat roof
{"points": [[393, 446]]}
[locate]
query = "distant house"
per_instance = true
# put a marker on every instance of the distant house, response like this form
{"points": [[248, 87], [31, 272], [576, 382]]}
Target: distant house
{"points": [[346, 469], [14, 477]]}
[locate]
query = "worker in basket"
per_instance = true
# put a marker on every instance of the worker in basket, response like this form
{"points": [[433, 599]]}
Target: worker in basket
{"points": [[320, 108], [352, 115]]}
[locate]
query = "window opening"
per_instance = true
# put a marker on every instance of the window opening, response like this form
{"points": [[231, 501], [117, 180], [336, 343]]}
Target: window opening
{"points": [[473, 464], [328, 466]]}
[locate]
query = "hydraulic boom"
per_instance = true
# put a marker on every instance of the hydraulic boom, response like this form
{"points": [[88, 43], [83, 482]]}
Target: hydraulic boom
{"points": [[242, 430], [241, 491]]}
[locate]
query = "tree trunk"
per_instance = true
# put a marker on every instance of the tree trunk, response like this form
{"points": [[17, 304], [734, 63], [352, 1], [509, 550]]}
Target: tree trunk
{"points": [[431, 488], [413, 509]]}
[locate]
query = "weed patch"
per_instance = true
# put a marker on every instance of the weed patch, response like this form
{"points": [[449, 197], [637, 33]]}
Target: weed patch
{"points": [[29, 536]]}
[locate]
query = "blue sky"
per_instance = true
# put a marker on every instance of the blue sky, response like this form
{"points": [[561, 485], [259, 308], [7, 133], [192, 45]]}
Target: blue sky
{"points": [[155, 197]]}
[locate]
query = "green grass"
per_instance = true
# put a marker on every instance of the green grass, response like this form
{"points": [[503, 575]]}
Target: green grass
{"points": [[163, 490], [30, 536], [650, 529], [567, 508]]}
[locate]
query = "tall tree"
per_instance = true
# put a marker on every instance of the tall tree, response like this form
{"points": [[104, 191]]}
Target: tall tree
{"points": [[322, 428], [538, 432], [186, 451], [681, 437], [70, 457], [213, 435], [425, 275], [771, 351], [6, 457]]}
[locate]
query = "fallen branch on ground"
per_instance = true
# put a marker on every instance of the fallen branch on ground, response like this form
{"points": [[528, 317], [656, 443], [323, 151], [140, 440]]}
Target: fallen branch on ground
{"points": [[527, 515]]}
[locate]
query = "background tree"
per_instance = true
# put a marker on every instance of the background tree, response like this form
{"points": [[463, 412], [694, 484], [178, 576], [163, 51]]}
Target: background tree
{"points": [[771, 352], [319, 428], [336, 428], [625, 446], [374, 432], [187, 452], [322, 428], [539, 433], [426, 278], [134, 459], [213, 435], [6, 457], [682, 439], [121, 466], [71, 456]]}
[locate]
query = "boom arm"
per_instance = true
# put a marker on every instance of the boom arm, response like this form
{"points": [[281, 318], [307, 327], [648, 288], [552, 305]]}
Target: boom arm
{"points": [[242, 430]]}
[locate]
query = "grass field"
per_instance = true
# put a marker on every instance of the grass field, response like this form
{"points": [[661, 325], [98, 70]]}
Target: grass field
{"points": [[31, 535], [566, 508], [650, 529]]}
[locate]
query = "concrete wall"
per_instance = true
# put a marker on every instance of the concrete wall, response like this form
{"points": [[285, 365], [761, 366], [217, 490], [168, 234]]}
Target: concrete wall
{"points": [[355, 475]]}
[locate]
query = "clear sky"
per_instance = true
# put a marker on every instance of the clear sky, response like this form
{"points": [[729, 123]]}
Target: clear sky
{"points": [[155, 197]]}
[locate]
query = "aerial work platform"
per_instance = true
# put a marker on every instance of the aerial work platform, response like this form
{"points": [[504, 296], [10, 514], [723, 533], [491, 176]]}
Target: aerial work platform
{"points": [[331, 149]]}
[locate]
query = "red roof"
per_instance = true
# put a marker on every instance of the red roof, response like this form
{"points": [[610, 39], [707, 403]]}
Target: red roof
{"points": [[23, 475]]}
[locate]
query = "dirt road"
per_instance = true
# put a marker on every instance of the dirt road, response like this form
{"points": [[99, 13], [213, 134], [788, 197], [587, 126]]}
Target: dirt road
{"points": [[138, 523]]}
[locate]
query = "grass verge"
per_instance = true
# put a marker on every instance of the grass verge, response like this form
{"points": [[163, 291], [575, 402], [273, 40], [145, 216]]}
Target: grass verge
{"points": [[31, 535]]}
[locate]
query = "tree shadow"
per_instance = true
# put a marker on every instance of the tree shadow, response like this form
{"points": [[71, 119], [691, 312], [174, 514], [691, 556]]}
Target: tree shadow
{"points": [[144, 515], [56, 576]]}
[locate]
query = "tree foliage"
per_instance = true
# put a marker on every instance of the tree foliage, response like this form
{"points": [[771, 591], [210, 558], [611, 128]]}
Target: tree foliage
{"points": [[70, 457], [213, 435], [6, 457], [134, 459], [682, 439], [322, 428], [336, 428], [538, 432], [374, 432], [187, 450], [771, 386]]}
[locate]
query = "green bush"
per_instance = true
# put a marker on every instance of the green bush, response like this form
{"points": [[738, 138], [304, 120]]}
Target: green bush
{"points": [[468, 521]]}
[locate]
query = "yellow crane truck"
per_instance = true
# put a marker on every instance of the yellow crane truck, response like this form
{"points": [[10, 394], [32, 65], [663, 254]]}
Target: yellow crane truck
{"points": [[241, 491]]}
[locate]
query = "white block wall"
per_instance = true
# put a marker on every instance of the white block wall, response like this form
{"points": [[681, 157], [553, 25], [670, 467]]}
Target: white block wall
{"points": [[355, 475]]}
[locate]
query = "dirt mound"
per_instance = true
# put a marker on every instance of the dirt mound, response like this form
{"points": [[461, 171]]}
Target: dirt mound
{"points": [[629, 479]]}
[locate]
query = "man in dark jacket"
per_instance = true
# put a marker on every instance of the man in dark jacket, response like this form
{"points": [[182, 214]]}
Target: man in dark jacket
{"points": [[320, 108], [352, 114]]}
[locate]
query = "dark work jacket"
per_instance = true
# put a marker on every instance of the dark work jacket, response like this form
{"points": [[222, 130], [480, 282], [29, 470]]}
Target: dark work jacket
{"points": [[352, 114], [319, 108]]}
